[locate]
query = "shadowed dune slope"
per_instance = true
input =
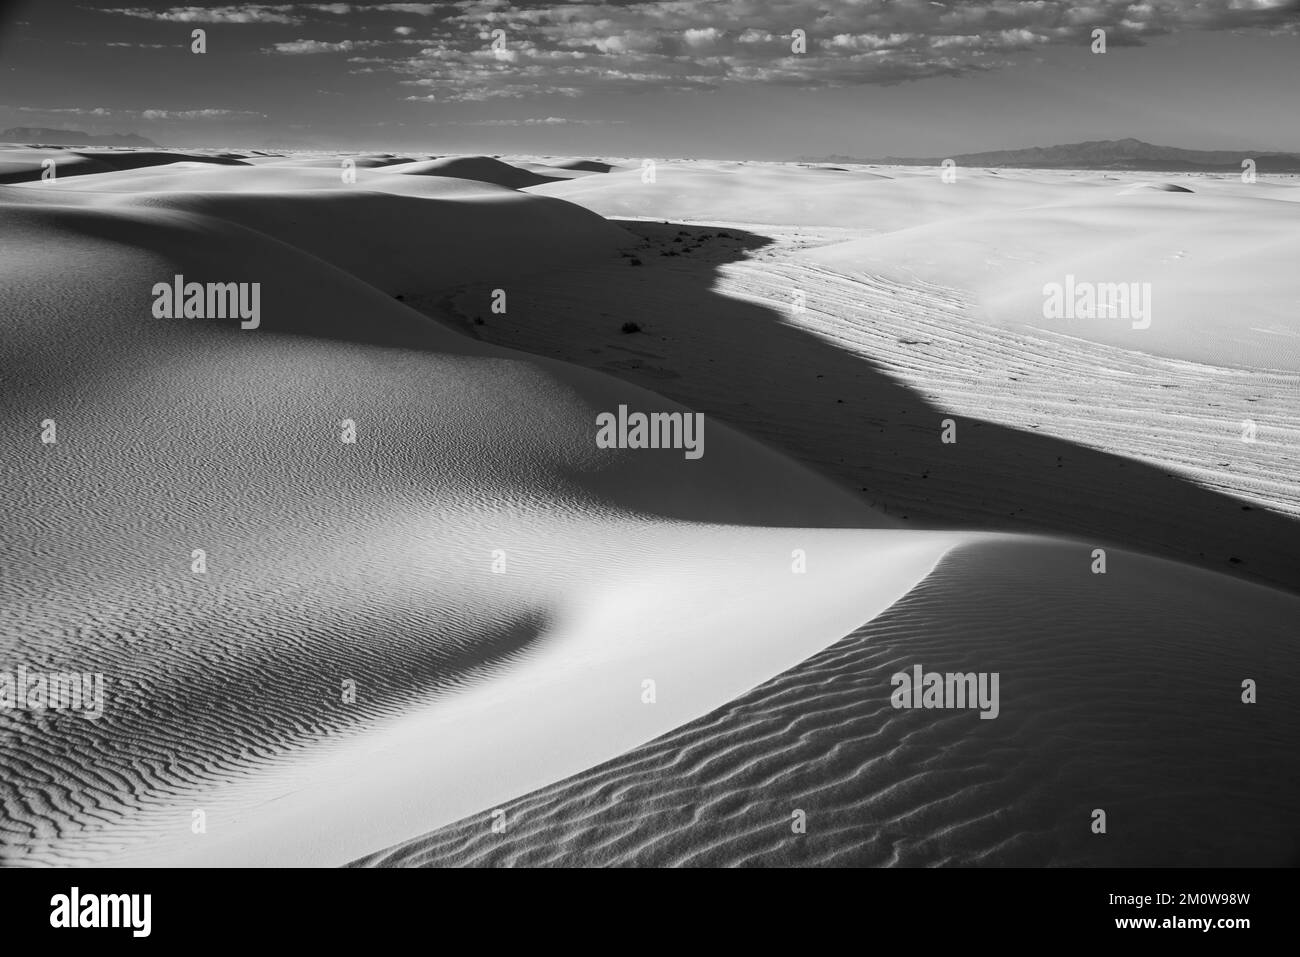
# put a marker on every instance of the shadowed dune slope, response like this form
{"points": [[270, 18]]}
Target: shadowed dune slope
{"points": [[583, 165], [106, 316], [260, 179], [1120, 692], [1054, 434], [28, 164], [482, 168], [405, 241], [332, 161]]}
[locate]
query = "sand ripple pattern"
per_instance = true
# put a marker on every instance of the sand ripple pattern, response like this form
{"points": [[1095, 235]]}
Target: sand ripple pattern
{"points": [[1119, 692]]}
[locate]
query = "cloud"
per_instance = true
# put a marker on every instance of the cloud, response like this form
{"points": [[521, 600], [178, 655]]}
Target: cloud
{"points": [[207, 114], [76, 110], [569, 48], [291, 13], [202, 114], [305, 47], [536, 121], [702, 39], [252, 13]]}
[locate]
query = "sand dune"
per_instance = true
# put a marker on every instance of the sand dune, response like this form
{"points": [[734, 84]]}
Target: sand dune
{"points": [[1199, 243], [373, 563], [333, 160], [1053, 433], [582, 165], [1118, 692], [780, 194], [1198, 254], [464, 715], [469, 231], [29, 164], [498, 588], [565, 169], [1160, 188], [484, 169], [139, 159], [182, 177], [25, 165]]}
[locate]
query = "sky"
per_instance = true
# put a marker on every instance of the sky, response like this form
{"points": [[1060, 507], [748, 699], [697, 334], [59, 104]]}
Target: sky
{"points": [[739, 79]]}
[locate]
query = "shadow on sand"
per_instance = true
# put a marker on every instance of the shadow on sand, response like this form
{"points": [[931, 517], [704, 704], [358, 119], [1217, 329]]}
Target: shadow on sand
{"points": [[803, 395]]}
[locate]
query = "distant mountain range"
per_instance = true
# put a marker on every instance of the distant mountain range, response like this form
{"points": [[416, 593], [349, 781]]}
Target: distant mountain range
{"points": [[1126, 154], [33, 135]]}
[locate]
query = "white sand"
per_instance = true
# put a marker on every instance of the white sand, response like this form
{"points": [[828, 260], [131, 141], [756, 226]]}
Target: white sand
{"points": [[1001, 235], [372, 562]]}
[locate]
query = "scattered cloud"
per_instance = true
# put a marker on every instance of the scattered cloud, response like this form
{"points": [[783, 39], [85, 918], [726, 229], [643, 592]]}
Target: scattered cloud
{"points": [[76, 111], [307, 47], [304, 47], [567, 48], [99, 111], [250, 13], [560, 48], [197, 114], [536, 121], [284, 13]]}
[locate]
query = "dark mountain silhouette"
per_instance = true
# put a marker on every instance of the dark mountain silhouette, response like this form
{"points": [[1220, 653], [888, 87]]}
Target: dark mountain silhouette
{"points": [[43, 136], [1125, 154]]}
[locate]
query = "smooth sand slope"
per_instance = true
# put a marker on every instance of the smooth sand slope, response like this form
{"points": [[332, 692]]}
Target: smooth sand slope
{"points": [[524, 690], [859, 198], [1216, 257], [1201, 243]]}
